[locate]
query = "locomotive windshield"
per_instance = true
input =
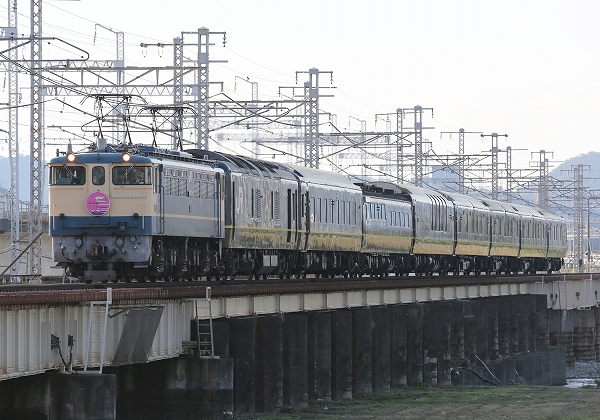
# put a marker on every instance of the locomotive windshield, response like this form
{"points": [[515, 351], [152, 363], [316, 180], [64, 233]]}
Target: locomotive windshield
{"points": [[67, 175], [127, 175]]}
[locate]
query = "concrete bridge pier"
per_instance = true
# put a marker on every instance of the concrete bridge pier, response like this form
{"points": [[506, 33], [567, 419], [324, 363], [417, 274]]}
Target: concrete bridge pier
{"points": [[55, 396], [399, 345], [429, 338], [362, 351], [381, 349], [341, 354], [295, 382], [269, 364], [319, 355], [444, 343], [415, 344], [242, 347]]}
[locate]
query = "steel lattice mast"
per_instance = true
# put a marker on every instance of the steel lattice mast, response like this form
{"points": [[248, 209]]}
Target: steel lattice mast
{"points": [[36, 142], [508, 174], [461, 155], [495, 172], [121, 109], [201, 82], [177, 123], [399, 149], [202, 104], [542, 185], [311, 116], [13, 142], [578, 208]]}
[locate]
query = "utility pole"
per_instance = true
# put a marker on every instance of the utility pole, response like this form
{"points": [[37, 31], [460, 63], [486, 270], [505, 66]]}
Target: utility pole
{"points": [[494, 151]]}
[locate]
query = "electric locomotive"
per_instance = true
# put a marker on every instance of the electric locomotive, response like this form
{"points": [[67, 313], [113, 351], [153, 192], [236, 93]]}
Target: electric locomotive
{"points": [[125, 212]]}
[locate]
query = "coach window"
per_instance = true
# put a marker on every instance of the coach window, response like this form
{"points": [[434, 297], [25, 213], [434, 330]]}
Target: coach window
{"points": [[98, 175], [67, 175], [318, 211]]}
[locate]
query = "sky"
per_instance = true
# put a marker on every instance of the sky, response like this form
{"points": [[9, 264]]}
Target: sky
{"points": [[526, 68]]}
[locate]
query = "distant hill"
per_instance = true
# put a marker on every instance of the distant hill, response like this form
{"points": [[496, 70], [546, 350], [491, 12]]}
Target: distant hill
{"points": [[591, 178], [591, 162]]}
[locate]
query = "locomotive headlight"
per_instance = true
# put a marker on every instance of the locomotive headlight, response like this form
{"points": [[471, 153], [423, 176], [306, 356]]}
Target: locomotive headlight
{"points": [[126, 157], [71, 157], [78, 242]]}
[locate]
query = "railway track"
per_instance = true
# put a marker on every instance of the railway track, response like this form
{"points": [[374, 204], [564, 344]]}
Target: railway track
{"points": [[71, 293]]}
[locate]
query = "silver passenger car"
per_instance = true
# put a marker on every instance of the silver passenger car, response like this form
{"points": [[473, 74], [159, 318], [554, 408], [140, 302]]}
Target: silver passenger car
{"points": [[331, 234], [387, 229]]}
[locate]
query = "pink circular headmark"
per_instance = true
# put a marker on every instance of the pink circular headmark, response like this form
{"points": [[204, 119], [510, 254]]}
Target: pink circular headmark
{"points": [[97, 203]]}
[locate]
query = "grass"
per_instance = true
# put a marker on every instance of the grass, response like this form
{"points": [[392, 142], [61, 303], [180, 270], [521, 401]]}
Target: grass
{"points": [[512, 402]]}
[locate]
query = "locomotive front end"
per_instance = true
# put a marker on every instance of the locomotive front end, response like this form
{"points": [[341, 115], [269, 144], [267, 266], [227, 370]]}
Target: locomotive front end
{"points": [[101, 205]]}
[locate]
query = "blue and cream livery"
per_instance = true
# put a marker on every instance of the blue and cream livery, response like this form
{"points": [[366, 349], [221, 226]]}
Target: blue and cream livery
{"points": [[135, 213]]}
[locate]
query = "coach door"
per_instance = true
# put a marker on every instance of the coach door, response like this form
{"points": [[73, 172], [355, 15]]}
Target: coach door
{"points": [[218, 209], [292, 219], [305, 222]]}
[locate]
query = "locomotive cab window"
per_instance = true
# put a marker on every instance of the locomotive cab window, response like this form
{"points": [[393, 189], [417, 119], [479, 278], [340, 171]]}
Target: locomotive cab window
{"points": [[131, 175], [98, 175], [67, 175]]}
